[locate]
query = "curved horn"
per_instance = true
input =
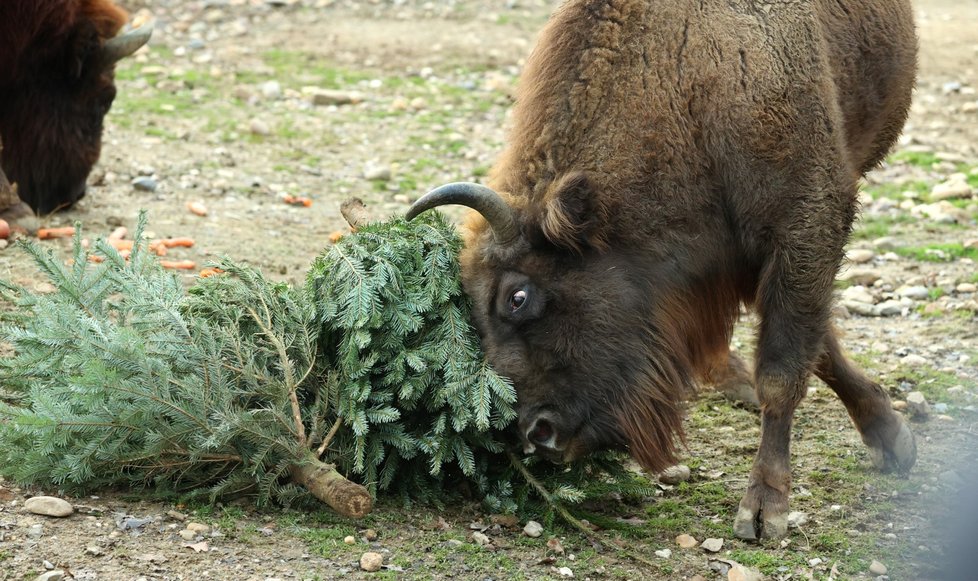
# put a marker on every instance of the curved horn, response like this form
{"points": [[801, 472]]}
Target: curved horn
{"points": [[478, 197], [118, 48]]}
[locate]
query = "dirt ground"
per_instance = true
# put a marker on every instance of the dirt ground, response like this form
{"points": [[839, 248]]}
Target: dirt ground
{"points": [[228, 107]]}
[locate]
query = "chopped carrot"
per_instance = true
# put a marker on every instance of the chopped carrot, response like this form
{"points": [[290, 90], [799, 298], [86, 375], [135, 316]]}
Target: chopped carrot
{"points": [[4, 229], [118, 234], [208, 272], [174, 242], [159, 249], [121, 244], [95, 258], [125, 254], [48, 233], [297, 200], [179, 264], [197, 208], [335, 237]]}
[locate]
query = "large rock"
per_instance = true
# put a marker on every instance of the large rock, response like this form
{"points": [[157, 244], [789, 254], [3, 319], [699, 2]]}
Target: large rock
{"points": [[955, 187], [49, 506]]}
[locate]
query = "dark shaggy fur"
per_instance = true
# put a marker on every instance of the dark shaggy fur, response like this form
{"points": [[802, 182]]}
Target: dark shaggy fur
{"points": [[669, 161], [54, 93]]}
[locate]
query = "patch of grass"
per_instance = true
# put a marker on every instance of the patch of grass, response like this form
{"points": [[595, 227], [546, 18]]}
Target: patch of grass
{"points": [[932, 383], [924, 159], [894, 190], [973, 178], [309, 69], [941, 252]]}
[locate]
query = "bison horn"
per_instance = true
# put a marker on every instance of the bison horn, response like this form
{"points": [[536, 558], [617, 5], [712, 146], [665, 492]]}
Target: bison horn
{"points": [[478, 197], [118, 48]]}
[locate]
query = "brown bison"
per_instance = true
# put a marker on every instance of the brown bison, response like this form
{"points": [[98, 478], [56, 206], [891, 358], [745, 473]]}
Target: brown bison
{"points": [[57, 61], [670, 161]]}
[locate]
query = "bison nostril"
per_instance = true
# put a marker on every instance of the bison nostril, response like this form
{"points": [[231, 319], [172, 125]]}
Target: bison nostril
{"points": [[541, 434]]}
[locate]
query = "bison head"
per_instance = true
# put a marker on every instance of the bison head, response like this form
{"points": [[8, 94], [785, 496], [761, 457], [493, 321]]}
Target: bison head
{"points": [[570, 322], [52, 119]]}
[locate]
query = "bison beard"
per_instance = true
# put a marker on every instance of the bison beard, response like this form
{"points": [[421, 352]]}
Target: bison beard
{"points": [[57, 60], [670, 161]]}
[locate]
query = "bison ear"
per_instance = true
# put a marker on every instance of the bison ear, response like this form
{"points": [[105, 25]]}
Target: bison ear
{"points": [[81, 51], [574, 216]]}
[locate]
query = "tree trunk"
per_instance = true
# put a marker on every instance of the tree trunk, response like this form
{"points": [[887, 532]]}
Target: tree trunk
{"points": [[325, 483]]}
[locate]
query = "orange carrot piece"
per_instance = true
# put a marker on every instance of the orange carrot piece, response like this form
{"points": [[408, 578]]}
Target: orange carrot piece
{"points": [[120, 245], [95, 258], [197, 208], [208, 272], [335, 236], [179, 264], [118, 234], [184, 242], [49, 233], [297, 200]]}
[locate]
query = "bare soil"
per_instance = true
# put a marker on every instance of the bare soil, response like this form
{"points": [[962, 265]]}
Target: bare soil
{"points": [[434, 81]]}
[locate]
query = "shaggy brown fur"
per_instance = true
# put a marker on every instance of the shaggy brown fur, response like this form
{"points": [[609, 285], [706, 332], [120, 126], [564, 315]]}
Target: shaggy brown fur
{"points": [[669, 161], [54, 93]]}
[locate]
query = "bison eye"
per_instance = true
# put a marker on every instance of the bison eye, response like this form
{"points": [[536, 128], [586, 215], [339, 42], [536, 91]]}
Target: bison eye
{"points": [[517, 299]]}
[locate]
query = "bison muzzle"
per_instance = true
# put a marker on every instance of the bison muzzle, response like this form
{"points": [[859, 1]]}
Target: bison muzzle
{"points": [[670, 161]]}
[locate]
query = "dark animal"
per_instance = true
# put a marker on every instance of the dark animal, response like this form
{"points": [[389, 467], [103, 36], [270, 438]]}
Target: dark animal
{"points": [[669, 161], [57, 61]]}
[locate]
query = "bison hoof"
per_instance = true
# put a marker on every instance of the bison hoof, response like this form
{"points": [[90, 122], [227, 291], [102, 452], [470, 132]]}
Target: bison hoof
{"points": [[896, 453], [763, 512], [740, 392]]}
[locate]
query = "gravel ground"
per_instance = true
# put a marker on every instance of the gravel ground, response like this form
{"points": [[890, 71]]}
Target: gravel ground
{"points": [[237, 104]]}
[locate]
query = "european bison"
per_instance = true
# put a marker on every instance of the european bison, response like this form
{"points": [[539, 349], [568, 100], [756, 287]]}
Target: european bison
{"points": [[669, 161], [57, 61]]}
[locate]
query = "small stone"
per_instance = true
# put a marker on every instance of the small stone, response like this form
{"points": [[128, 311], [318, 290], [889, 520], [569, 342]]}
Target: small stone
{"points": [[198, 527], [371, 562], [917, 405], [797, 519], [712, 545], [175, 515], [259, 127], [35, 531], [187, 535], [917, 293], [663, 553], [860, 277], [940, 408], [333, 97], [674, 474], [899, 406], [93, 550], [349, 539], [555, 546], [271, 90], [144, 184], [48, 506], [56, 575], [481, 539], [955, 187], [370, 535], [892, 308], [858, 294], [877, 568], [966, 287], [886, 243], [686, 541], [860, 255], [565, 572], [914, 360], [814, 562], [377, 172], [533, 529]]}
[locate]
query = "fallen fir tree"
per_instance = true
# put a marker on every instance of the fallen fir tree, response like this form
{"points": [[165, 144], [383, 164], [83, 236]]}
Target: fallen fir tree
{"points": [[370, 372]]}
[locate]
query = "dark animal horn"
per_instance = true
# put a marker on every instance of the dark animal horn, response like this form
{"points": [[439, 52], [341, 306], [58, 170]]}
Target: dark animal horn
{"points": [[118, 48], [478, 197]]}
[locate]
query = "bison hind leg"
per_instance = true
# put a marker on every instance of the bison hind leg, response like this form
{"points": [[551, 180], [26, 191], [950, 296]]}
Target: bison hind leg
{"points": [[732, 377], [889, 439]]}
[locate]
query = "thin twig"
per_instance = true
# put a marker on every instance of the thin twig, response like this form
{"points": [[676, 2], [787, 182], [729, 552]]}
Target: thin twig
{"points": [[329, 437], [287, 371], [567, 516]]}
